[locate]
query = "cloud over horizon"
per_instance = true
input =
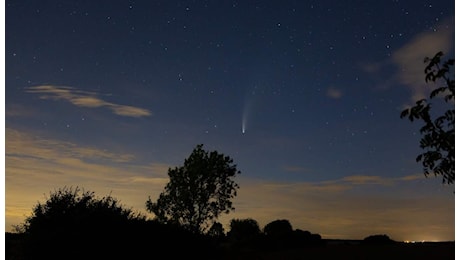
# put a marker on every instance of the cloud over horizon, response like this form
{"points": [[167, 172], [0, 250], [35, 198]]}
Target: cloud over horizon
{"points": [[85, 99]]}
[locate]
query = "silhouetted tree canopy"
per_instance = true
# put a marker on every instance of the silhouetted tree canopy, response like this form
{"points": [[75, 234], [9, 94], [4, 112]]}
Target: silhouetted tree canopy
{"points": [[244, 228], [280, 235], [278, 228], [378, 239], [438, 138], [197, 192], [245, 234]]}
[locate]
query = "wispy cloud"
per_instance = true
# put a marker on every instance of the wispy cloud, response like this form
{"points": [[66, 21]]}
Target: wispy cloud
{"points": [[366, 180], [409, 58], [412, 177], [334, 93], [85, 99], [378, 180]]}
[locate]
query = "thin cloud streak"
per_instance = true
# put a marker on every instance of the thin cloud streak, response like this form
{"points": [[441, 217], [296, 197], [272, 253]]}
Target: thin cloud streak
{"points": [[85, 99], [366, 180]]}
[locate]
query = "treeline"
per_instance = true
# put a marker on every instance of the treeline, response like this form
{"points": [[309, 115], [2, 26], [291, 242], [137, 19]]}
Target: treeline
{"points": [[74, 224]]}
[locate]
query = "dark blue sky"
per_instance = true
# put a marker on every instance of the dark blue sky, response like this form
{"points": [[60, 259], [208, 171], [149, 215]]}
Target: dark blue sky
{"points": [[128, 88]]}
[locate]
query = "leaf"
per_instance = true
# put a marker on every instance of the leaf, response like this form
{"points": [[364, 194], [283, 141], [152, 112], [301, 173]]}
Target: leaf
{"points": [[404, 113], [437, 91]]}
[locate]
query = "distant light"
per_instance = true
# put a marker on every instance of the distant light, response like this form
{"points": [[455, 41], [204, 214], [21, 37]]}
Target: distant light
{"points": [[413, 242]]}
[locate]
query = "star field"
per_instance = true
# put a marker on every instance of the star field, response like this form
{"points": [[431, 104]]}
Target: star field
{"points": [[305, 96]]}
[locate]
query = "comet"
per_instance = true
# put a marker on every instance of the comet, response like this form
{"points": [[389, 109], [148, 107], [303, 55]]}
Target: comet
{"points": [[244, 120]]}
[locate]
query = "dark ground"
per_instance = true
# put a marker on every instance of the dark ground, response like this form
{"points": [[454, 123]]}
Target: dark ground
{"points": [[419, 251], [330, 249]]}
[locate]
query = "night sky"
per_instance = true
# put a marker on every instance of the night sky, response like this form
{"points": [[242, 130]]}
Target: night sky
{"points": [[305, 96]]}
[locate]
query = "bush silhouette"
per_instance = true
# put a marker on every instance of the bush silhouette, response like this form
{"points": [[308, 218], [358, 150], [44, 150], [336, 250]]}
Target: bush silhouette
{"points": [[74, 221], [279, 227], [74, 224], [378, 239], [280, 235], [244, 233]]}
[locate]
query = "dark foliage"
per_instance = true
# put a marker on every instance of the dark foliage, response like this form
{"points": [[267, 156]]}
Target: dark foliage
{"points": [[244, 233], [133, 240], [280, 235], [74, 225], [244, 229], [438, 138], [72, 209], [381, 239], [216, 231], [278, 227], [198, 192]]}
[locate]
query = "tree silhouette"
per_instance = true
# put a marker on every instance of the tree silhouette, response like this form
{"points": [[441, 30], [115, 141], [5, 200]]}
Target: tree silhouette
{"points": [[438, 134], [280, 227], [197, 192], [243, 228], [244, 234], [279, 234]]}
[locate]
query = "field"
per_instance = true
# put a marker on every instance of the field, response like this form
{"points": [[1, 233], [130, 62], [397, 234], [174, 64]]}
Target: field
{"points": [[330, 249], [419, 251]]}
